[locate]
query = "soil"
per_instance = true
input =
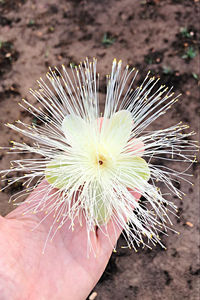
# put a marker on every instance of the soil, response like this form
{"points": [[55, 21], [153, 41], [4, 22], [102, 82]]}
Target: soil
{"points": [[160, 35]]}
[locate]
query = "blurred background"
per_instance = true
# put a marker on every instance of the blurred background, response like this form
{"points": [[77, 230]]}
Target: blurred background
{"points": [[157, 35]]}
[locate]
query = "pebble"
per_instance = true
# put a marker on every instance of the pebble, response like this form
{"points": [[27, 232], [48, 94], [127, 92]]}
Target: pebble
{"points": [[93, 296], [189, 224]]}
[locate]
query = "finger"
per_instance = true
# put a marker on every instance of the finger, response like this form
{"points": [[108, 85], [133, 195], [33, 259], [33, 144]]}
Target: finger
{"points": [[37, 194]]}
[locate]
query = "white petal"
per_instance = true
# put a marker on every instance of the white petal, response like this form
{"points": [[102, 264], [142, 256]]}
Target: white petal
{"points": [[116, 131], [55, 172], [101, 212], [135, 147], [134, 172], [77, 131], [63, 172]]}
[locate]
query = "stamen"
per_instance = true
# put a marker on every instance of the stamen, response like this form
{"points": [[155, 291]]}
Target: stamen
{"points": [[103, 183]]}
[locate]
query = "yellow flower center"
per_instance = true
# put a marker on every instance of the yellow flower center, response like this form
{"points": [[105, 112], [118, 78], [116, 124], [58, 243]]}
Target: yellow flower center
{"points": [[101, 160]]}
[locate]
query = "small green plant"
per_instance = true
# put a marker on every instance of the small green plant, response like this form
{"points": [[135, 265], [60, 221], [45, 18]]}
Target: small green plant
{"points": [[195, 76], [6, 45], [167, 70], [185, 33], [189, 54], [31, 23], [34, 121], [107, 40], [149, 60]]}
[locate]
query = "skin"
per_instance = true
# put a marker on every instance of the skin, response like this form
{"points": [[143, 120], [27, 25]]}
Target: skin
{"points": [[64, 271]]}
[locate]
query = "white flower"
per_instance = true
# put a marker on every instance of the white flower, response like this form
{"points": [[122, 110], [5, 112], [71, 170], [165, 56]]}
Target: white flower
{"points": [[95, 165]]}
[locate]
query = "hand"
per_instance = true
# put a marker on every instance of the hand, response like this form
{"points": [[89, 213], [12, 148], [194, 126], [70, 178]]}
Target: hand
{"points": [[64, 271]]}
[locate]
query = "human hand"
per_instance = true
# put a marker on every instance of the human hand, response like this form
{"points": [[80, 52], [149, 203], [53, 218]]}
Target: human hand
{"points": [[64, 271]]}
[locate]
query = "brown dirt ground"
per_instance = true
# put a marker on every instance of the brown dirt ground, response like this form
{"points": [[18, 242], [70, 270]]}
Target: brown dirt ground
{"points": [[146, 34]]}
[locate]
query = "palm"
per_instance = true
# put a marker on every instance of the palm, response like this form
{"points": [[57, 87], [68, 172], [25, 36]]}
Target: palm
{"points": [[64, 271]]}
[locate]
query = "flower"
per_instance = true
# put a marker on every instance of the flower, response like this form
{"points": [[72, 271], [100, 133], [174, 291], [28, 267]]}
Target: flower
{"points": [[96, 165]]}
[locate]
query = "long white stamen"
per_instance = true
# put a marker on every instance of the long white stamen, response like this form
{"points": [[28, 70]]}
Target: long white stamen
{"points": [[92, 163]]}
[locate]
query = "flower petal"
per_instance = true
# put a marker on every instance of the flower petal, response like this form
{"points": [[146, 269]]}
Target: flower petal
{"points": [[101, 212], [54, 172], [135, 171], [116, 131], [135, 147], [76, 130]]}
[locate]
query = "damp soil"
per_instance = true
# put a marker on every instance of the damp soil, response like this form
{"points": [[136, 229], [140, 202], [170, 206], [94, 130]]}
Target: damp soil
{"points": [[161, 36]]}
